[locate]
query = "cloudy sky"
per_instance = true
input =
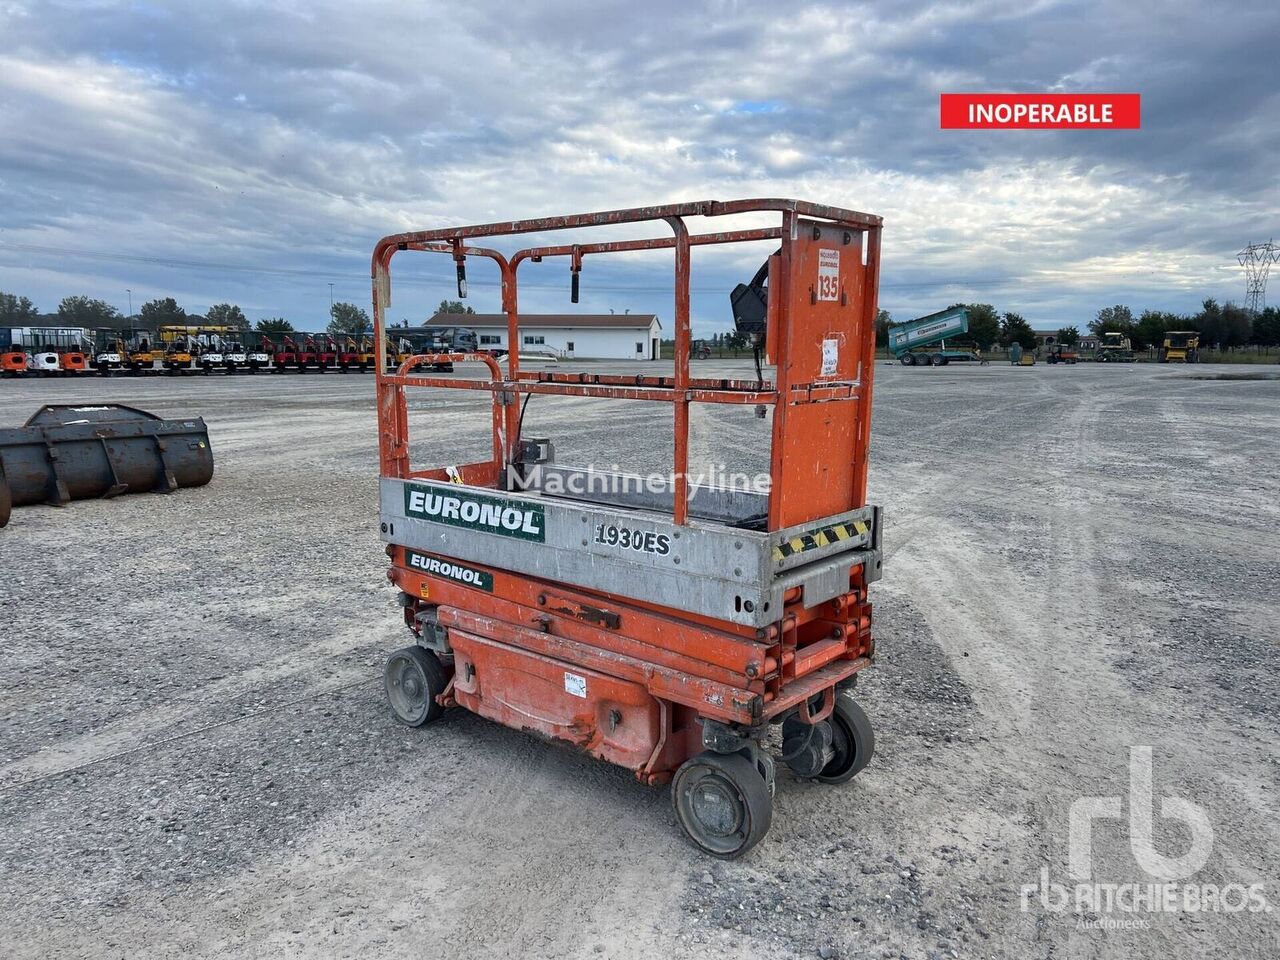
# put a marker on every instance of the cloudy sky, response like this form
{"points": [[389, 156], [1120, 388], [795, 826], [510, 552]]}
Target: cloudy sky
{"points": [[254, 152]]}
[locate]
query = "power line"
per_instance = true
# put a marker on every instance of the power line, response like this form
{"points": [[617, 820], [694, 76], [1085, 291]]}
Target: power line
{"points": [[176, 263], [187, 264]]}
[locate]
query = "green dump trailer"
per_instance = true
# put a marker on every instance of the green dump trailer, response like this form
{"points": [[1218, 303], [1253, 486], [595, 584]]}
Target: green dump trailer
{"points": [[922, 342]]}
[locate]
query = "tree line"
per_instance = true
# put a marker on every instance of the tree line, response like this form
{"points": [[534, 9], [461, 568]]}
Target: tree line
{"points": [[82, 311], [1219, 325]]}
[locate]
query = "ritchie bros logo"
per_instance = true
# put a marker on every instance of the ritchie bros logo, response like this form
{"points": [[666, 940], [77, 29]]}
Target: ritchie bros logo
{"points": [[1127, 904]]}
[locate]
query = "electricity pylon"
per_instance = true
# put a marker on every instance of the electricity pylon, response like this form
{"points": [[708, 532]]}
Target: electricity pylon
{"points": [[1257, 259]]}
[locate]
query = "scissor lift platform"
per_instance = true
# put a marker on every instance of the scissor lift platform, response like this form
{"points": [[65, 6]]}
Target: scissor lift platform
{"points": [[661, 627]]}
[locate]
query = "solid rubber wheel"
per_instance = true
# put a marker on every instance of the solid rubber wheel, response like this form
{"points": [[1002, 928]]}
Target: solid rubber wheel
{"points": [[413, 678], [853, 741], [722, 803]]}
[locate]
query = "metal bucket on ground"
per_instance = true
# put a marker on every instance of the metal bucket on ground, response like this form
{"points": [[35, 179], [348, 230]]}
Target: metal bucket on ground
{"points": [[66, 453]]}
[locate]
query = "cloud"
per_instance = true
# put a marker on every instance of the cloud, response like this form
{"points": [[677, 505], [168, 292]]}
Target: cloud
{"points": [[289, 137]]}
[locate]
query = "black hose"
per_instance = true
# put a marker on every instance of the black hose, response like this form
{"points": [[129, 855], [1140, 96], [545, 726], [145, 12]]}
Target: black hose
{"points": [[520, 422]]}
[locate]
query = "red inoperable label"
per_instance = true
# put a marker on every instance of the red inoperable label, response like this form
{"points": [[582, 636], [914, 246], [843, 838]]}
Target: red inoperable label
{"points": [[1041, 111]]}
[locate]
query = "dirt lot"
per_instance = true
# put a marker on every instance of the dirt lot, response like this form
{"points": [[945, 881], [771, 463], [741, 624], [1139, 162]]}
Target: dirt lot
{"points": [[195, 758]]}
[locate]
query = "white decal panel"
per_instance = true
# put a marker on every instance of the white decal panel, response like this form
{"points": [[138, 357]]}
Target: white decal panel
{"points": [[828, 274]]}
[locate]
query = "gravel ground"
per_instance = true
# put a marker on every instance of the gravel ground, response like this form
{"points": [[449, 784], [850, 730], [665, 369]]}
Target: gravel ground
{"points": [[195, 758]]}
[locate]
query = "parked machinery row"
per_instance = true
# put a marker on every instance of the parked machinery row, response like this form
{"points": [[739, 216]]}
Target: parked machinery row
{"points": [[209, 349]]}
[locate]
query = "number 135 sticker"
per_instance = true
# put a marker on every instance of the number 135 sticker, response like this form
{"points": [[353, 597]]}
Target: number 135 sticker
{"points": [[828, 274]]}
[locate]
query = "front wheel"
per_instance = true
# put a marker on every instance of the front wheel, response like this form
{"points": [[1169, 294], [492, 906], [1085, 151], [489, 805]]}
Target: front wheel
{"points": [[413, 678], [722, 803]]}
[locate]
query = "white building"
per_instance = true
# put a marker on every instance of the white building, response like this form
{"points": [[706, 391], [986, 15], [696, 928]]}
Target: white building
{"points": [[596, 336]]}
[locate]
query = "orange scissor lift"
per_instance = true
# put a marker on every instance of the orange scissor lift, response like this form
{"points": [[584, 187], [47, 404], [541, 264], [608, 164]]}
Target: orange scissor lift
{"points": [[663, 629]]}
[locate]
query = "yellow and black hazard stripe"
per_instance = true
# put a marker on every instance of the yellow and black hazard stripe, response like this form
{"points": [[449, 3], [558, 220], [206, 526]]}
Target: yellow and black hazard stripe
{"points": [[821, 537]]}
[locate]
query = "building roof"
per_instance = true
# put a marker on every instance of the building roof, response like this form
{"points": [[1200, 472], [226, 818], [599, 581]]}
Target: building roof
{"points": [[616, 321]]}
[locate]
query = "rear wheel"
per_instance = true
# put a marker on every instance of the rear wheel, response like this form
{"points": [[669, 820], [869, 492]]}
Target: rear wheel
{"points": [[939, 360], [722, 803], [852, 740], [907, 360], [413, 678]]}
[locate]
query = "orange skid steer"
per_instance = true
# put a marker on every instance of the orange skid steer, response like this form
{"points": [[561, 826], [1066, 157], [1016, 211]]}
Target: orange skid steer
{"points": [[663, 627]]}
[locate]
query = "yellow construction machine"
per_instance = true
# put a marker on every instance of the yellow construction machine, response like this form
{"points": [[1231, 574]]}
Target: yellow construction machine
{"points": [[1180, 346]]}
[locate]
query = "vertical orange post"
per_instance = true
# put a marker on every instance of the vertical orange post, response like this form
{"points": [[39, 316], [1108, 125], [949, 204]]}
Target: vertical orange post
{"points": [[779, 312], [870, 310], [680, 514]]}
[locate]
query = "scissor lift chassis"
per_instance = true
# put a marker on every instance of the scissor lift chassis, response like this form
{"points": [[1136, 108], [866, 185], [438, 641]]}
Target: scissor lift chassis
{"points": [[660, 628], [716, 571]]}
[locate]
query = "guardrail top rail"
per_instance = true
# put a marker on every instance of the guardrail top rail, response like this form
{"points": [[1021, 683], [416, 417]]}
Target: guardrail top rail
{"points": [[821, 337]]}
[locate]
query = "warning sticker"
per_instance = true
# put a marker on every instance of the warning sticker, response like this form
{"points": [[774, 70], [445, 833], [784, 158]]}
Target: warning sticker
{"points": [[830, 357], [828, 274], [575, 685]]}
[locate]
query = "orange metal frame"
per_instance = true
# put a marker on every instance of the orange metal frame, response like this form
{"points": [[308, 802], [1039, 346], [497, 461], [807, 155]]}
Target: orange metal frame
{"points": [[656, 670]]}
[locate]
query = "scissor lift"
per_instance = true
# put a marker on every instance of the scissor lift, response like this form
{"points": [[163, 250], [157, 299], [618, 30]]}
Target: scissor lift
{"points": [[662, 629]]}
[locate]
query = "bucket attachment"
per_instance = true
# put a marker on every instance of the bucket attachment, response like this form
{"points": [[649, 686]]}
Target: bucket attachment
{"points": [[66, 453]]}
